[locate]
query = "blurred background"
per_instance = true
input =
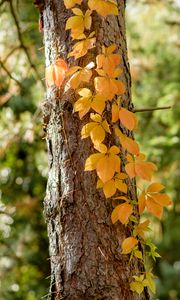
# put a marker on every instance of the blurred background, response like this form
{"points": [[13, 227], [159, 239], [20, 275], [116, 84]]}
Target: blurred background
{"points": [[153, 46]]}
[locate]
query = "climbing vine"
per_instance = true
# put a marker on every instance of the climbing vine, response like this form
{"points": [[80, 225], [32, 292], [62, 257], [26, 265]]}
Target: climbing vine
{"points": [[112, 177]]}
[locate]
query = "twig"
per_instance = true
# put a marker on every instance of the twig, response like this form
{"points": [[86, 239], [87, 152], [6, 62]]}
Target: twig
{"points": [[22, 45], [9, 74], [151, 109], [10, 53]]}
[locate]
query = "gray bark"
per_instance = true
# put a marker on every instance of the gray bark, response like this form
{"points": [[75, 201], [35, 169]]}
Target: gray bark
{"points": [[85, 252]]}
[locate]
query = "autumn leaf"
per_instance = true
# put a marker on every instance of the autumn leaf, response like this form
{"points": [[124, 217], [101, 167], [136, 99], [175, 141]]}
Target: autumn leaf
{"points": [[141, 229], [88, 101], [121, 212], [108, 86], [138, 285], [96, 130], [110, 187], [127, 143], [153, 200], [137, 167], [108, 61], [55, 73], [107, 165], [71, 3], [79, 75], [104, 7], [81, 48], [127, 118], [128, 244], [78, 23]]}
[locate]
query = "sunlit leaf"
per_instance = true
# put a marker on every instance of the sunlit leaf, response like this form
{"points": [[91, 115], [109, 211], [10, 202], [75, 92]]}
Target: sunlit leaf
{"points": [[128, 244], [104, 7]]}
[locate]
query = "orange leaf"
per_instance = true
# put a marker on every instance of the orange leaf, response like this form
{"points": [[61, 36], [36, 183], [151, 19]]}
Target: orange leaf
{"points": [[56, 73], [122, 187], [128, 245], [141, 228], [92, 161], [106, 168], [127, 118], [109, 188], [155, 187], [141, 202], [108, 61], [125, 211], [104, 7], [60, 69], [81, 48], [130, 170], [154, 208], [115, 113], [145, 169], [162, 199], [71, 3]]}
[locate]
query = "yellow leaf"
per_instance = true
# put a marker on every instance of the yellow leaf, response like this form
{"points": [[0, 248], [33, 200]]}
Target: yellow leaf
{"points": [[122, 187], [105, 125], [96, 118], [82, 105], [128, 244], [114, 150], [125, 211], [101, 148], [77, 11], [114, 215], [121, 176], [150, 282], [137, 287], [116, 161], [81, 48], [80, 76], [115, 113], [142, 228], [85, 132], [138, 254], [79, 22], [109, 188], [71, 3], [97, 134], [99, 184], [98, 103], [92, 161], [86, 93], [104, 7]]}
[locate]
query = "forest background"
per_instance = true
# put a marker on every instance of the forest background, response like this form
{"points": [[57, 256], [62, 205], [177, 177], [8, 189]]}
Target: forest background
{"points": [[153, 48]]}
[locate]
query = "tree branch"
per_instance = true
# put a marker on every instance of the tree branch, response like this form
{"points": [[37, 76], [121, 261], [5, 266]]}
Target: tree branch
{"points": [[22, 45], [9, 74], [151, 109]]}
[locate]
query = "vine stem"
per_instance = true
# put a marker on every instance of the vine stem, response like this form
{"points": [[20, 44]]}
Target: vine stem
{"points": [[151, 109]]}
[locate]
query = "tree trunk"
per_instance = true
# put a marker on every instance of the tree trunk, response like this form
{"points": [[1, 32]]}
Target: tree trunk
{"points": [[85, 247]]}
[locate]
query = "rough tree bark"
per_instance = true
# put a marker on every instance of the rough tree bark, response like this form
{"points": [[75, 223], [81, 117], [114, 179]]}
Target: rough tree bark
{"points": [[84, 246]]}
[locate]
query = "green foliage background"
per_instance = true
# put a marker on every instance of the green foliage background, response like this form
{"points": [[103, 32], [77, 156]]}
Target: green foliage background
{"points": [[152, 30]]}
